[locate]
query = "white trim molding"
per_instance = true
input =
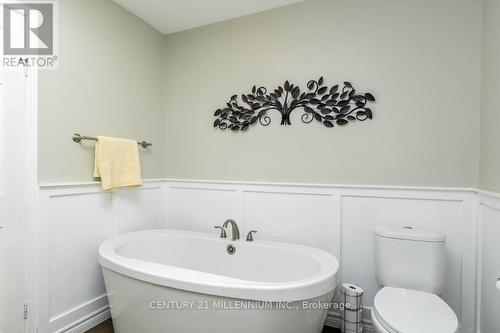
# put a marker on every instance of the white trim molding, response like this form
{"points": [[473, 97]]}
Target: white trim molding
{"points": [[31, 190], [333, 319], [87, 322], [488, 265], [336, 218]]}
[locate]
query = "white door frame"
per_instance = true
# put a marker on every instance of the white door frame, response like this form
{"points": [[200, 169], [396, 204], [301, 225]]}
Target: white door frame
{"points": [[31, 190]]}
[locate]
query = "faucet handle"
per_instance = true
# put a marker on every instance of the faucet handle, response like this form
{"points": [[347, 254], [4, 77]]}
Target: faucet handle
{"points": [[250, 235], [222, 231]]}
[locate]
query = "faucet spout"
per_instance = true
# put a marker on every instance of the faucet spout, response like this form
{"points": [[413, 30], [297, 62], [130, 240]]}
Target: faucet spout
{"points": [[234, 228]]}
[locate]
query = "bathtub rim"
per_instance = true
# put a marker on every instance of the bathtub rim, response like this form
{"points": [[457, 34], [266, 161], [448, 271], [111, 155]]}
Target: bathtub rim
{"points": [[324, 281]]}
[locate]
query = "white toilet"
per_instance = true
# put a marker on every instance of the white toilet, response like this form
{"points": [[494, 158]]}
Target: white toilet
{"points": [[410, 264]]}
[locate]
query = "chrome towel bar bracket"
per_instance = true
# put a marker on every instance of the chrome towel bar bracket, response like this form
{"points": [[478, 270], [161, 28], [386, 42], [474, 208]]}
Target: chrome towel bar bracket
{"points": [[78, 138]]}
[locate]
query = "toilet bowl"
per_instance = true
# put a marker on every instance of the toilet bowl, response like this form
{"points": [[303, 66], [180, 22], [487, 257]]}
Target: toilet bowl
{"points": [[398, 310]]}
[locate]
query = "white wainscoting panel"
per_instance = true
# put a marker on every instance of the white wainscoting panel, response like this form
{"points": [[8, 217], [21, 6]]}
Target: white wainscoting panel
{"points": [[338, 219], [489, 262], [76, 237], [199, 207], [73, 221], [296, 216], [137, 209]]}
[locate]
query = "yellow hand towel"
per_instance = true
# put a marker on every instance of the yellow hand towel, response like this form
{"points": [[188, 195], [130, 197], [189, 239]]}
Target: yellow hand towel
{"points": [[117, 163]]}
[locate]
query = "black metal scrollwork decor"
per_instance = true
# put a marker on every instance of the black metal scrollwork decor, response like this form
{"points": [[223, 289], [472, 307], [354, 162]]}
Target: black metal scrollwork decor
{"points": [[328, 106]]}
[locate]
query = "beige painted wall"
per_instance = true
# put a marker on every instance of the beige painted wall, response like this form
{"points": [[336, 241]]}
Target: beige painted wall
{"points": [[490, 115], [421, 59], [109, 83]]}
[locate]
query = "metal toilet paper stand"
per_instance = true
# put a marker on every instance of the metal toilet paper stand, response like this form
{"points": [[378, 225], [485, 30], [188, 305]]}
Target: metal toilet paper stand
{"points": [[352, 313]]}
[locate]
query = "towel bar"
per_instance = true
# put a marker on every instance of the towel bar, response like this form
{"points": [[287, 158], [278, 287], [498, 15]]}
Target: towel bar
{"points": [[78, 138]]}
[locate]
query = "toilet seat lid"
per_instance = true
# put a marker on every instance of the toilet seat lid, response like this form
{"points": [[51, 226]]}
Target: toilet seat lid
{"points": [[411, 311]]}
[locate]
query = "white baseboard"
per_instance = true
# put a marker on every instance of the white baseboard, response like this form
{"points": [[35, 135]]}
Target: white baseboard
{"points": [[88, 322], [333, 320]]}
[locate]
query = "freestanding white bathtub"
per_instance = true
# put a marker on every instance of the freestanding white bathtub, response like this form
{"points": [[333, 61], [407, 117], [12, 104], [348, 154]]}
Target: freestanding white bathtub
{"points": [[171, 281]]}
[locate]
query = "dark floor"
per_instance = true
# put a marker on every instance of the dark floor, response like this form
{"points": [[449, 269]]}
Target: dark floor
{"points": [[107, 327]]}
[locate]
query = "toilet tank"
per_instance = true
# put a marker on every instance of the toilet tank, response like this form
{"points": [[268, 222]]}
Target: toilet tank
{"points": [[410, 258]]}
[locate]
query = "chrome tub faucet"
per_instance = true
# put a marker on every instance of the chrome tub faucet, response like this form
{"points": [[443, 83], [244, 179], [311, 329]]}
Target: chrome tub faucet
{"points": [[250, 235], [234, 228], [222, 231]]}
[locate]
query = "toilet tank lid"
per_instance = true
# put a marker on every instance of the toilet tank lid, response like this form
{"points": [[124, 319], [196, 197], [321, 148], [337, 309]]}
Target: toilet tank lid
{"points": [[410, 233]]}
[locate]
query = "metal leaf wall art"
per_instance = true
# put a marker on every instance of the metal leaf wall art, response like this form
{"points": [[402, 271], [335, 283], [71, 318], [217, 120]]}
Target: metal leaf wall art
{"points": [[329, 106]]}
